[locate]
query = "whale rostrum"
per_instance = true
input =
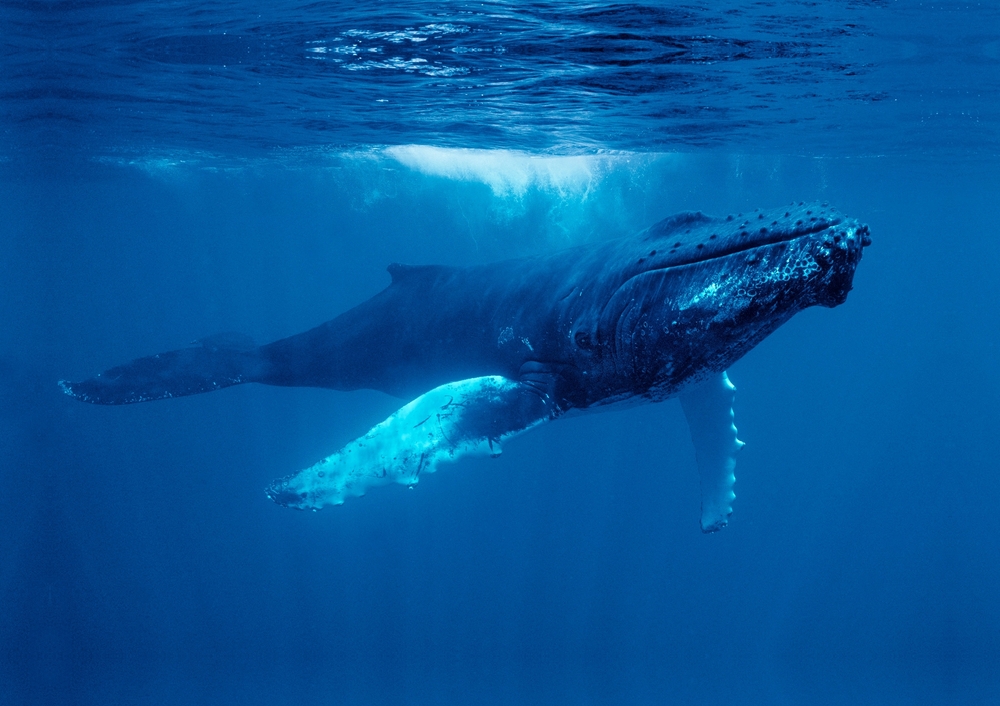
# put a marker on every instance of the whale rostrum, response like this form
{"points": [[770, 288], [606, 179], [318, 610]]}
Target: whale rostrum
{"points": [[490, 351]]}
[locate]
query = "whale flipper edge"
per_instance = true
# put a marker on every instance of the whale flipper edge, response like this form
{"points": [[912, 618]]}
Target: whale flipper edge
{"points": [[708, 406]]}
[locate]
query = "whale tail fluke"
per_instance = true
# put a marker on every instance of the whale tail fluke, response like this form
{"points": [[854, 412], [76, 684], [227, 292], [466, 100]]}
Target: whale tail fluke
{"points": [[188, 371]]}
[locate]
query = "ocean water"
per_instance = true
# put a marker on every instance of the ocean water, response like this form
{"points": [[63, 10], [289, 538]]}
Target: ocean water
{"points": [[170, 170]]}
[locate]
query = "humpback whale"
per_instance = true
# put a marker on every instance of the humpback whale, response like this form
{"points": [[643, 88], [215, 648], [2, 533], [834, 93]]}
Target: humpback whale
{"points": [[488, 352]]}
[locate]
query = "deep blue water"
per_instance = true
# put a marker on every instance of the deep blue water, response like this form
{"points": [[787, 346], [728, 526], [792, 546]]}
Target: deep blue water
{"points": [[169, 170]]}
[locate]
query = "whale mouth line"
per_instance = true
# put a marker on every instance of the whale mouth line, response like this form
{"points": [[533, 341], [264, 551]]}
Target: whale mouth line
{"points": [[820, 230], [762, 240]]}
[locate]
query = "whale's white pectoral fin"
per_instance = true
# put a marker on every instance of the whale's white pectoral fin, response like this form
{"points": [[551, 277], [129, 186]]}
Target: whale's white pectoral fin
{"points": [[708, 407], [465, 418]]}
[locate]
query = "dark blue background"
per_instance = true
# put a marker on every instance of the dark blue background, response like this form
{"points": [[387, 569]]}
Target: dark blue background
{"points": [[170, 170], [141, 563]]}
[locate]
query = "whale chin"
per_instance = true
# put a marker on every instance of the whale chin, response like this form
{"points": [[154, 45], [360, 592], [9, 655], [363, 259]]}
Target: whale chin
{"points": [[839, 252]]}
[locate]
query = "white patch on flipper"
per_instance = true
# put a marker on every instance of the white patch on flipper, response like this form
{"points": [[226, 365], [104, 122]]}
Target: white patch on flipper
{"points": [[708, 406], [465, 418]]}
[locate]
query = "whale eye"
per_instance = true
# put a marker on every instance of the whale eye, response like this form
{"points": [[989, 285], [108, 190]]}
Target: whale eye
{"points": [[582, 339], [652, 253]]}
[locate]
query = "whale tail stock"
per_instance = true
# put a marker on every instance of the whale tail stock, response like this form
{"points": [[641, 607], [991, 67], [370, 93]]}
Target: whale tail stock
{"points": [[187, 371]]}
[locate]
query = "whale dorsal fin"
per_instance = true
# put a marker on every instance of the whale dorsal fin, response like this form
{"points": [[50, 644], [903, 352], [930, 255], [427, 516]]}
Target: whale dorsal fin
{"points": [[400, 272], [676, 222]]}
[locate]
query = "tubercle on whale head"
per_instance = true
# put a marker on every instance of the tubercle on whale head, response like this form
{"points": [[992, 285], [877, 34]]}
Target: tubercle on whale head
{"points": [[689, 238]]}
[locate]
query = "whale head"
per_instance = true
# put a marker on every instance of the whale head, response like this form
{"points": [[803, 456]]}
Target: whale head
{"points": [[707, 290]]}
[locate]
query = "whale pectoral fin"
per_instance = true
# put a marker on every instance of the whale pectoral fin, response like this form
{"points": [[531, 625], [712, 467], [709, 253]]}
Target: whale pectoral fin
{"points": [[708, 407], [465, 418]]}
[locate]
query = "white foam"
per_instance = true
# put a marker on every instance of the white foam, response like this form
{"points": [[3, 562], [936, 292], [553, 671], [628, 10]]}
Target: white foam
{"points": [[507, 172]]}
